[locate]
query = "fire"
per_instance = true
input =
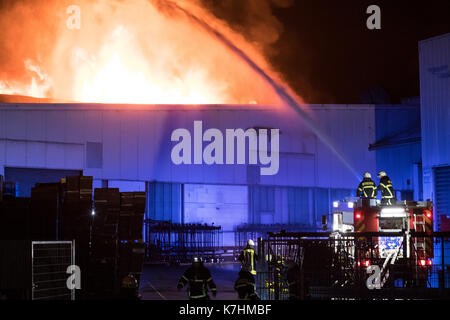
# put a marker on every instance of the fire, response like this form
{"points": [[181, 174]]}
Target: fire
{"points": [[38, 86], [133, 52], [121, 74]]}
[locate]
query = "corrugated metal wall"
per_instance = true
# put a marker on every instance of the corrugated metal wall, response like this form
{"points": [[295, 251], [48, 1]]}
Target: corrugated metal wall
{"points": [[135, 145], [434, 56], [399, 128], [299, 205], [135, 142], [164, 201], [442, 189]]}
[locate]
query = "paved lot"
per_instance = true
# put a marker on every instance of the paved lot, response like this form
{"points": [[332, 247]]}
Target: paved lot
{"points": [[159, 282]]}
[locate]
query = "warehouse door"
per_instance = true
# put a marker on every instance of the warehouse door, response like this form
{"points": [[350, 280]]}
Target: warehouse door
{"points": [[225, 206], [26, 178], [442, 191]]}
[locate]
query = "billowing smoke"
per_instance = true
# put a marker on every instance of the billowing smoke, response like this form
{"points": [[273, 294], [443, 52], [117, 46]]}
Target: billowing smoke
{"points": [[137, 51], [254, 19]]}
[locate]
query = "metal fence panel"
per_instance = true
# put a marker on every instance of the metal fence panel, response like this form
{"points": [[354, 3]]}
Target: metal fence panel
{"points": [[327, 266], [49, 263]]}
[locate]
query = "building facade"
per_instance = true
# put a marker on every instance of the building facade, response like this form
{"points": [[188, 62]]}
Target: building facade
{"points": [[434, 55], [131, 146]]}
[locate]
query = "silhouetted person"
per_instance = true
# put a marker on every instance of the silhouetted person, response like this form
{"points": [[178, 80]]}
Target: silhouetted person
{"points": [[198, 278], [367, 189], [386, 188]]}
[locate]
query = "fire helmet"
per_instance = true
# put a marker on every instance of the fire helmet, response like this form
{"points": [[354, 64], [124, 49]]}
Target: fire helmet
{"points": [[250, 243], [382, 174], [367, 175]]}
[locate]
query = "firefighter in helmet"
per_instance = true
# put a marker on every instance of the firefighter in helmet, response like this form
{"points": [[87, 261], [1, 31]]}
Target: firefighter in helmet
{"points": [[198, 278], [245, 286], [367, 189], [248, 258], [386, 188]]}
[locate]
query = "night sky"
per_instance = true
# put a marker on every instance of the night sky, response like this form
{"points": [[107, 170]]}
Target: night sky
{"points": [[327, 54]]}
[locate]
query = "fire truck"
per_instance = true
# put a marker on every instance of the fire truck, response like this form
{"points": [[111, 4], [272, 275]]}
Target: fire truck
{"points": [[394, 237]]}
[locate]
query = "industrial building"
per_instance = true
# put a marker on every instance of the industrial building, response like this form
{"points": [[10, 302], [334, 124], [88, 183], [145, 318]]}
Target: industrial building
{"points": [[238, 169], [129, 147], [434, 61]]}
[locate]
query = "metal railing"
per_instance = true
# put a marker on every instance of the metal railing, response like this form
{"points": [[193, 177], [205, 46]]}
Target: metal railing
{"points": [[174, 242]]}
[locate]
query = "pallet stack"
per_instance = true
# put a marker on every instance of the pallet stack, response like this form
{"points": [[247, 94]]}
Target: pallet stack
{"points": [[77, 209], [104, 241], [131, 246], [46, 202], [75, 219], [15, 219], [108, 236]]}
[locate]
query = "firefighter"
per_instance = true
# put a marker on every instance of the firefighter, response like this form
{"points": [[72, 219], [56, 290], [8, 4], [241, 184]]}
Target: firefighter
{"points": [[386, 189], [199, 279], [245, 286], [248, 258], [129, 287], [367, 189]]}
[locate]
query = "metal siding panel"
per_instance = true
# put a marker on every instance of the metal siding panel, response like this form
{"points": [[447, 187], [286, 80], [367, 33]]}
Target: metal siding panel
{"points": [[55, 124], [35, 128], [442, 189], [3, 119], [54, 156], [36, 152], [92, 125], [229, 176], [129, 146], [176, 202], [2, 156], [161, 155], [16, 154], [16, 125], [111, 145], [153, 147], [350, 129], [322, 202], [299, 205], [75, 122], [74, 156], [435, 99]]}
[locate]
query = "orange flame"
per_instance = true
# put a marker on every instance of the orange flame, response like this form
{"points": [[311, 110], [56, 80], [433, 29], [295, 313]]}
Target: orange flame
{"points": [[134, 52]]}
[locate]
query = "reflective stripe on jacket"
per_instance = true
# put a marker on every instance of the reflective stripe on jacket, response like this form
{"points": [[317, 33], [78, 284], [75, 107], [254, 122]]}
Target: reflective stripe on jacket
{"points": [[386, 188], [248, 260], [199, 280], [367, 189]]}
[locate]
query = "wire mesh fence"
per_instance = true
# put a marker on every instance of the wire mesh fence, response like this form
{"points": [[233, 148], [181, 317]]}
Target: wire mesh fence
{"points": [[50, 260], [353, 266]]}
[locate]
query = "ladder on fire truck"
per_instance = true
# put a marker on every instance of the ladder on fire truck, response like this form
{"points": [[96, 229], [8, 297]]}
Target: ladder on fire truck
{"points": [[419, 243]]}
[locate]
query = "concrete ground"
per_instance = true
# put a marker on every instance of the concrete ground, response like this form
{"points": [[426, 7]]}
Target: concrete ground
{"points": [[159, 282]]}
